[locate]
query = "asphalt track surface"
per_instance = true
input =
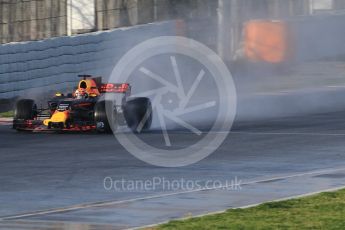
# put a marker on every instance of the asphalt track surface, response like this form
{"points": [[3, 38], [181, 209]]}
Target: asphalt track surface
{"points": [[55, 181]]}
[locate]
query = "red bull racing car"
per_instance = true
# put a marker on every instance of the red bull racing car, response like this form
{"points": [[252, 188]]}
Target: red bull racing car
{"points": [[85, 110]]}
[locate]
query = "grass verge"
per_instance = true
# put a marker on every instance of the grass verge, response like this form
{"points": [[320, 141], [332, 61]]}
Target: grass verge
{"points": [[7, 114], [323, 211]]}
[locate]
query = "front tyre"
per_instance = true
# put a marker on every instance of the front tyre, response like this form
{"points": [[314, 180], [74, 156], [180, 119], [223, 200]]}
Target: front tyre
{"points": [[25, 109], [101, 119]]}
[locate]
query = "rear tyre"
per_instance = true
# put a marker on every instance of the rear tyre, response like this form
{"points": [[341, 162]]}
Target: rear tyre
{"points": [[138, 114], [25, 109], [101, 119]]}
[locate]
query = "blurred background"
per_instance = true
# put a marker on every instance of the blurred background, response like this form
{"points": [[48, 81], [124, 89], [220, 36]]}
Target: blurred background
{"points": [[224, 20], [287, 56]]}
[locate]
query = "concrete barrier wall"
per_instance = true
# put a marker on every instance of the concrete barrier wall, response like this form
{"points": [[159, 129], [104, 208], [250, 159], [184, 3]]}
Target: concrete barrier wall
{"points": [[54, 64]]}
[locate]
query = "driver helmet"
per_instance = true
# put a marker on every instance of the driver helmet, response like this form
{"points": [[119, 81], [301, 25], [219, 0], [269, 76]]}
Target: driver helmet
{"points": [[81, 93]]}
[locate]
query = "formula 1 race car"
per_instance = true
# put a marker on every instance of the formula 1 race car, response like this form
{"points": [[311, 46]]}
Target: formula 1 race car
{"points": [[85, 109]]}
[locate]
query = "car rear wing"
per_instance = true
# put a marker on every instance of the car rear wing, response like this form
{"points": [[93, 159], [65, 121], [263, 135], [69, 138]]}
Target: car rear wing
{"points": [[115, 88]]}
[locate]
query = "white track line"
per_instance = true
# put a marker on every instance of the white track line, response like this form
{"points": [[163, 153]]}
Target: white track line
{"points": [[261, 133], [6, 121], [108, 203], [289, 133]]}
